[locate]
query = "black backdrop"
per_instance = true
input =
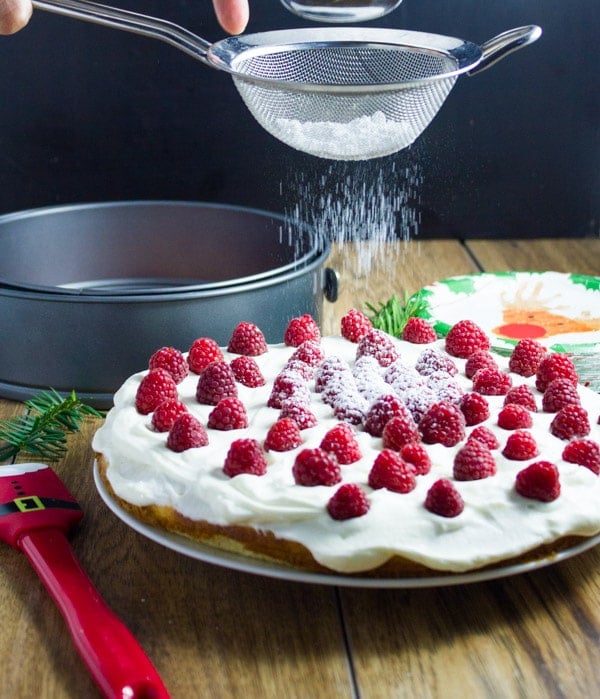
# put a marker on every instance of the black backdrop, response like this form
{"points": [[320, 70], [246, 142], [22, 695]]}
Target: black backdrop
{"points": [[92, 114]]}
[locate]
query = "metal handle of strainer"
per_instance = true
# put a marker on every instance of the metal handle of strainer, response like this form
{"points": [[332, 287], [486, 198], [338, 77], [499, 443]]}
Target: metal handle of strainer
{"points": [[502, 45], [154, 27]]}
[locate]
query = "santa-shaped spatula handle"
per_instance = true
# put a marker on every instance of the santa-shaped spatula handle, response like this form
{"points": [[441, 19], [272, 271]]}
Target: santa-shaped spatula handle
{"points": [[36, 511]]}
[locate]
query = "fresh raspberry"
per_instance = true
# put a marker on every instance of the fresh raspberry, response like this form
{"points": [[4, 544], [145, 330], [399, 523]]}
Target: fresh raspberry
{"points": [[300, 330], [491, 382], [351, 407], [382, 410], [481, 359], [158, 385], [215, 383], [443, 499], [245, 456], [415, 454], [474, 407], [570, 421], [432, 359], [355, 325], [485, 435], [418, 331], [228, 414], [558, 393], [306, 371], [309, 352], [474, 461], [341, 442], [555, 366], [399, 430], [299, 413], [377, 344], [539, 481], [391, 472], [584, 452], [445, 387], [247, 339], [186, 433], [316, 467], [514, 417], [464, 338], [348, 501], [526, 357], [328, 369], [287, 385], [520, 446], [165, 415], [172, 360], [204, 351], [521, 395], [283, 435], [247, 372], [443, 423], [418, 400]]}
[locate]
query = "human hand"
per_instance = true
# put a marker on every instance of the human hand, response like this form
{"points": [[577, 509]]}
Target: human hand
{"points": [[232, 15], [14, 15]]}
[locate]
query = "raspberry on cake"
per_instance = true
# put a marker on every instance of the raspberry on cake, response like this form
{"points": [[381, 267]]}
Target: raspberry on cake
{"points": [[284, 435], [316, 467], [300, 330], [465, 338], [355, 325], [245, 456], [203, 352], [247, 339], [526, 357], [398, 438], [341, 442], [418, 331], [216, 382], [172, 360], [390, 471], [157, 386]]}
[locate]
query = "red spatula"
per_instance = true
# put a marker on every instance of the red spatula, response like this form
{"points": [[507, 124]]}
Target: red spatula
{"points": [[36, 511]]}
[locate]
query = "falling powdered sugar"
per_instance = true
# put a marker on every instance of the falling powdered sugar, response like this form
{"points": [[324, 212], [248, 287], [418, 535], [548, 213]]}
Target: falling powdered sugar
{"points": [[368, 204]]}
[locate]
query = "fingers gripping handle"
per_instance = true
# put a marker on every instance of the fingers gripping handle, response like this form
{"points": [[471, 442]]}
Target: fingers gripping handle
{"points": [[112, 655]]}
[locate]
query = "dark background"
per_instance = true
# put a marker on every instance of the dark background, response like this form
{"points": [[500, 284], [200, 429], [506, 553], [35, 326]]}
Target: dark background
{"points": [[92, 114]]}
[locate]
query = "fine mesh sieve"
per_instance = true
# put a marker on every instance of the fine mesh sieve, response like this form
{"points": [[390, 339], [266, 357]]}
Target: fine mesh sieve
{"points": [[344, 93]]}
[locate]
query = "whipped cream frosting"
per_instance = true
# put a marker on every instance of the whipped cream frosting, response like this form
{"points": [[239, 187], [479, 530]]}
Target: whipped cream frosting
{"points": [[496, 523]]}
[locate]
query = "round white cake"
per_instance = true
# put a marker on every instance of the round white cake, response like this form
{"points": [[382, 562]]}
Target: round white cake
{"points": [[278, 513]]}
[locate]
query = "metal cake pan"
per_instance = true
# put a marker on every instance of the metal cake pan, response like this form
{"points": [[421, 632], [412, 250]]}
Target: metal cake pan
{"points": [[88, 292]]}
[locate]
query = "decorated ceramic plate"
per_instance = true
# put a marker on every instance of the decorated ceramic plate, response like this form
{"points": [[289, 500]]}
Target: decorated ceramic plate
{"points": [[561, 311]]}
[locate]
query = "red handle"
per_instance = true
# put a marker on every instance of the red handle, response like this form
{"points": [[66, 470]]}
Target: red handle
{"points": [[114, 658]]}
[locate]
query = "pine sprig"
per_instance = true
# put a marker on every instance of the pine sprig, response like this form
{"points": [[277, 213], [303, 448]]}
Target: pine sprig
{"points": [[42, 431], [392, 316]]}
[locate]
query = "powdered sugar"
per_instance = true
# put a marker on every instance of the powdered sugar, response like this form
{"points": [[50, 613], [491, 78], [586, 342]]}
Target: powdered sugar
{"points": [[368, 136]]}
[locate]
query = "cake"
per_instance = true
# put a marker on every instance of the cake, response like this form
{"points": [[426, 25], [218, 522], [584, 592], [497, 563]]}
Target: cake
{"points": [[359, 453]]}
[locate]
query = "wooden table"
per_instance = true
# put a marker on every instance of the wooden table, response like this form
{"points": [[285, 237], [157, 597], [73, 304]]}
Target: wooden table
{"points": [[213, 632]]}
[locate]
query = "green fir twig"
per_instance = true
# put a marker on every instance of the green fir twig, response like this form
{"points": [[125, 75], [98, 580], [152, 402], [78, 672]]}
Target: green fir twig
{"points": [[42, 430], [392, 316]]}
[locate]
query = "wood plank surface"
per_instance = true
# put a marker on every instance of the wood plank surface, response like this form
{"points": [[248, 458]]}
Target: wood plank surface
{"points": [[213, 632]]}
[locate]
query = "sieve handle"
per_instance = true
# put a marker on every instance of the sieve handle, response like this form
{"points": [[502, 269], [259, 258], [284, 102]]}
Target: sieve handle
{"points": [[113, 17], [502, 45]]}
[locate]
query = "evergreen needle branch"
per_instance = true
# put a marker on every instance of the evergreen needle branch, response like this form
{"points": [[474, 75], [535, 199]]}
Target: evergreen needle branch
{"points": [[42, 431], [392, 316]]}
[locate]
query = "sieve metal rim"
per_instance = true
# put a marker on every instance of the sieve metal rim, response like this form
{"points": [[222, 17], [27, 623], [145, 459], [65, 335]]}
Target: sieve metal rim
{"points": [[227, 54]]}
